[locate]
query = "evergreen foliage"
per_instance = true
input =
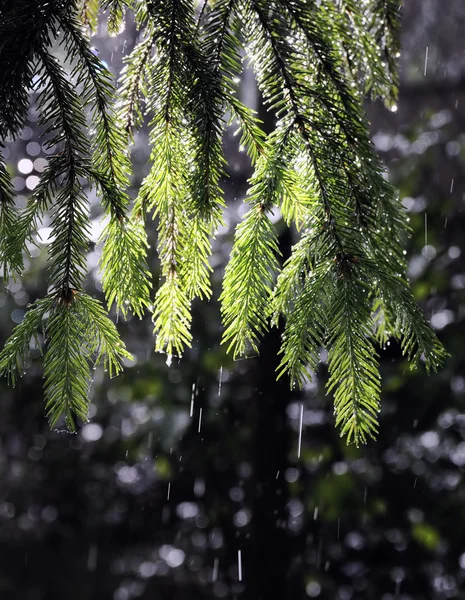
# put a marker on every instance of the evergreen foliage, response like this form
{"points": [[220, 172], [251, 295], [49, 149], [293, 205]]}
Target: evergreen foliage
{"points": [[343, 287]]}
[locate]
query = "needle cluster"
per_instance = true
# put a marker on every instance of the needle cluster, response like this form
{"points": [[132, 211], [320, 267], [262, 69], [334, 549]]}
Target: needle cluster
{"points": [[342, 289]]}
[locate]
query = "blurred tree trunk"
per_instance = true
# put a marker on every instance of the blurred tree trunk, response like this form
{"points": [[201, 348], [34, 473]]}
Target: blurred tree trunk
{"points": [[268, 561]]}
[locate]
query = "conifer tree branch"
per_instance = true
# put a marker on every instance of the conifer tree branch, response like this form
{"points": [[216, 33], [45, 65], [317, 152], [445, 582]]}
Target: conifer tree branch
{"points": [[343, 285], [78, 335], [7, 217], [24, 27], [88, 14], [116, 14], [286, 99], [70, 219], [250, 273], [133, 78], [222, 42], [305, 330], [125, 279], [353, 365], [15, 353], [386, 26]]}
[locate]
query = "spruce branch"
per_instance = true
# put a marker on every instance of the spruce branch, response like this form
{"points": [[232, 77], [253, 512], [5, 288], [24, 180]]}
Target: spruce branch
{"points": [[125, 276], [78, 336], [70, 220], [343, 286], [116, 12], [126, 281], [307, 301], [88, 13], [353, 365], [8, 218], [221, 42], [134, 84], [385, 24], [15, 353], [250, 273], [248, 281]]}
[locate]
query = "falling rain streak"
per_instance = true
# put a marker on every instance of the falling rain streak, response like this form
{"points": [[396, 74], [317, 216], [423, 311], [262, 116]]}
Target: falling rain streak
{"points": [[215, 570], [200, 419], [220, 380], [300, 430], [192, 400], [239, 564]]}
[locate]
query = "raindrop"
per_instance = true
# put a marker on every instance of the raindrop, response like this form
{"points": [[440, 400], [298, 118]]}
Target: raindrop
{"points": [[239, 564], [426, 61], [200, 420], [215, 570], [300, 430], [220, 380], [192, 400]]}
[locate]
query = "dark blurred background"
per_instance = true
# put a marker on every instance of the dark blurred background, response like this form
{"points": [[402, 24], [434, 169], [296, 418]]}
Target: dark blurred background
{"points": [[186, 483]]}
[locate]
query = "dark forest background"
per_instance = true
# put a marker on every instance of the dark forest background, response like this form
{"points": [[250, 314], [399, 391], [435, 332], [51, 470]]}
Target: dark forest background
{"points": [[187, 482]]}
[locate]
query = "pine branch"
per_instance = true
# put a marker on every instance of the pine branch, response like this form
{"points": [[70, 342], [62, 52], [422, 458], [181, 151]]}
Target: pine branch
{"points": [[248, 281], [343, 285], [360, 50], [172, 317], [109, 143], [15, 353], [78, 335], [306, 253], [353, 365], [308, 303], [66, 370], [402, 318], [252, 136], [126, 280], [104, 346], [134, 84], [222, 44], [88, 14], [386, 27], [249, 275], [23, 27], [26, 223], [70, 221], [183, 230], [125, 276], [8, 218], [117, 9]]}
